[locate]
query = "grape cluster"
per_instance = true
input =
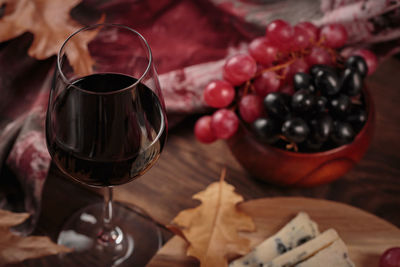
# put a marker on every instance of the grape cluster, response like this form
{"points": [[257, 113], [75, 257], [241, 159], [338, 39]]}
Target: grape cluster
{"points": [[292, 89], [326, 110]]}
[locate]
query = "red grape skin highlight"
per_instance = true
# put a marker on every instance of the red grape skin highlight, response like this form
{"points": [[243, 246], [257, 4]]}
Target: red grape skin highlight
{"points": [[224, 123], [239, 69], [250, 108], [311, 29], [333, 35], [203, 131], [266, 83], [390, 258], [301, 39], [319, 55], [263, 51], [280, 32], [219, 94]]}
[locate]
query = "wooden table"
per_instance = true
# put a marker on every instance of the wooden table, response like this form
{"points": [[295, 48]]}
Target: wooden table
{"points": [[186, 167]]}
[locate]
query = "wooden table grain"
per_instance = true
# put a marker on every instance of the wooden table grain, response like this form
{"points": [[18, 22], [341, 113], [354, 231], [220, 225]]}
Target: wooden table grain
{"points": [[186, 167]]}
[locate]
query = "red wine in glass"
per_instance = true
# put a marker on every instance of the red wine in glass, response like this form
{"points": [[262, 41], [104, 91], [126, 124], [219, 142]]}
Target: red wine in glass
{"points": [[103, 138]]}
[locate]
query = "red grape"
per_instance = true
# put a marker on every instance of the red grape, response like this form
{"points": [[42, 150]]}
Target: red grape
{"points": [[319, 56], [224, 123], [301, 39], [219, 94], [311, 30], [202, 130], [370, 58], [299, 65], [390, 258], [266, 83], [287, 89], [263, 51], [333, 35], [280, 33], [239, 68], [250, 108]]}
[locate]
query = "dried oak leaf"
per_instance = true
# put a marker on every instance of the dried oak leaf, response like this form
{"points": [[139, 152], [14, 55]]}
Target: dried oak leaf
{"points": [[212, 228], [15, 248], [50, 23]]}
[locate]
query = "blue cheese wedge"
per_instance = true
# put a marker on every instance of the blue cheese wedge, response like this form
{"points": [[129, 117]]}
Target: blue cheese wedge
{"points": [[336, 255], [297, 232], [304, 252]]}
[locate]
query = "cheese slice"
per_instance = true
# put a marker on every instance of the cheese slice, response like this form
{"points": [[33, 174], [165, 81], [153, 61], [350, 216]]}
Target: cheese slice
{"points": [[305, 251], [298, 231], [336, 255]]}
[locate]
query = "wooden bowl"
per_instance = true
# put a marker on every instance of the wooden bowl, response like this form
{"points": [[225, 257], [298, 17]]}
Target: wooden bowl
{"points": [[284, 167]]}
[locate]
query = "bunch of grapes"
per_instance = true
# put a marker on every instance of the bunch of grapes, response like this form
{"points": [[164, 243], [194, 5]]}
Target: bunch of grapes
{"points": [[292, 89]]}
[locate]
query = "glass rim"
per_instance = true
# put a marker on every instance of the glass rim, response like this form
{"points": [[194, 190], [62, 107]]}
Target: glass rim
{"points": [[69, 83]]}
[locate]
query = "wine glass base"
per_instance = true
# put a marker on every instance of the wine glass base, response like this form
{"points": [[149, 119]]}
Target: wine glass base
{"points": [[138, 238]]}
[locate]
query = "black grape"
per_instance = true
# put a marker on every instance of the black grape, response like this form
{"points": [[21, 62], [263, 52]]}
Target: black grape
{"points": [[339, 106], [343, 133], [358, 64], [295, 130], [352, 82], [303, 102], [277, 104], [303, 81], [266, 129], [327, 82], [322, 127]]}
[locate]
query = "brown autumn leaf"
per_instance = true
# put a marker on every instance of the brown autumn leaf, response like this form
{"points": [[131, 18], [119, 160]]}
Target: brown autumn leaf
{"points": [[50, 23], [15, 248], [212, 228]]}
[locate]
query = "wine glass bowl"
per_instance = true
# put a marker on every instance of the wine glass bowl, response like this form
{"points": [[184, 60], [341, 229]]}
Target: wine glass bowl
{"points": [[286, 168], [106, 139], [105, 126]]}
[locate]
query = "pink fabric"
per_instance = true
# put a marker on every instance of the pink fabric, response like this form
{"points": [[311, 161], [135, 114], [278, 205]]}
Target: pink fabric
{"points": [[189, 40]]}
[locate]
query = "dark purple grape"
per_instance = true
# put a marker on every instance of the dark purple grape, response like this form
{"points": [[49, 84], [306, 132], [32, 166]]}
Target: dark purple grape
{"points": [[321, 127], [295, 130], [352, 82], [321, 103], [315, 69], [340, 106], [343, 133], [303, 80], [357, 118], [266, 129], [303, 102], [327, 82], [358, 64], [277, 104], [313, 145]]}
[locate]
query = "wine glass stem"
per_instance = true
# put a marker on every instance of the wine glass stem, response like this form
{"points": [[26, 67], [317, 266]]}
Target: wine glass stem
{"points": [[108, 209], [109, 235]]}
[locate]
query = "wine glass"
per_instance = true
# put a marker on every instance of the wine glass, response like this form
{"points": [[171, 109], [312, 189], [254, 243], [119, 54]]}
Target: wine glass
{"points": [[106, 125]]}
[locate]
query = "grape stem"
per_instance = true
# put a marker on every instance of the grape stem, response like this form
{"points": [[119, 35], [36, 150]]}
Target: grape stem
{"points": [[356, 102], [290, 145], [246, 87], [333, 55], [320, 41], [275, 68]]}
